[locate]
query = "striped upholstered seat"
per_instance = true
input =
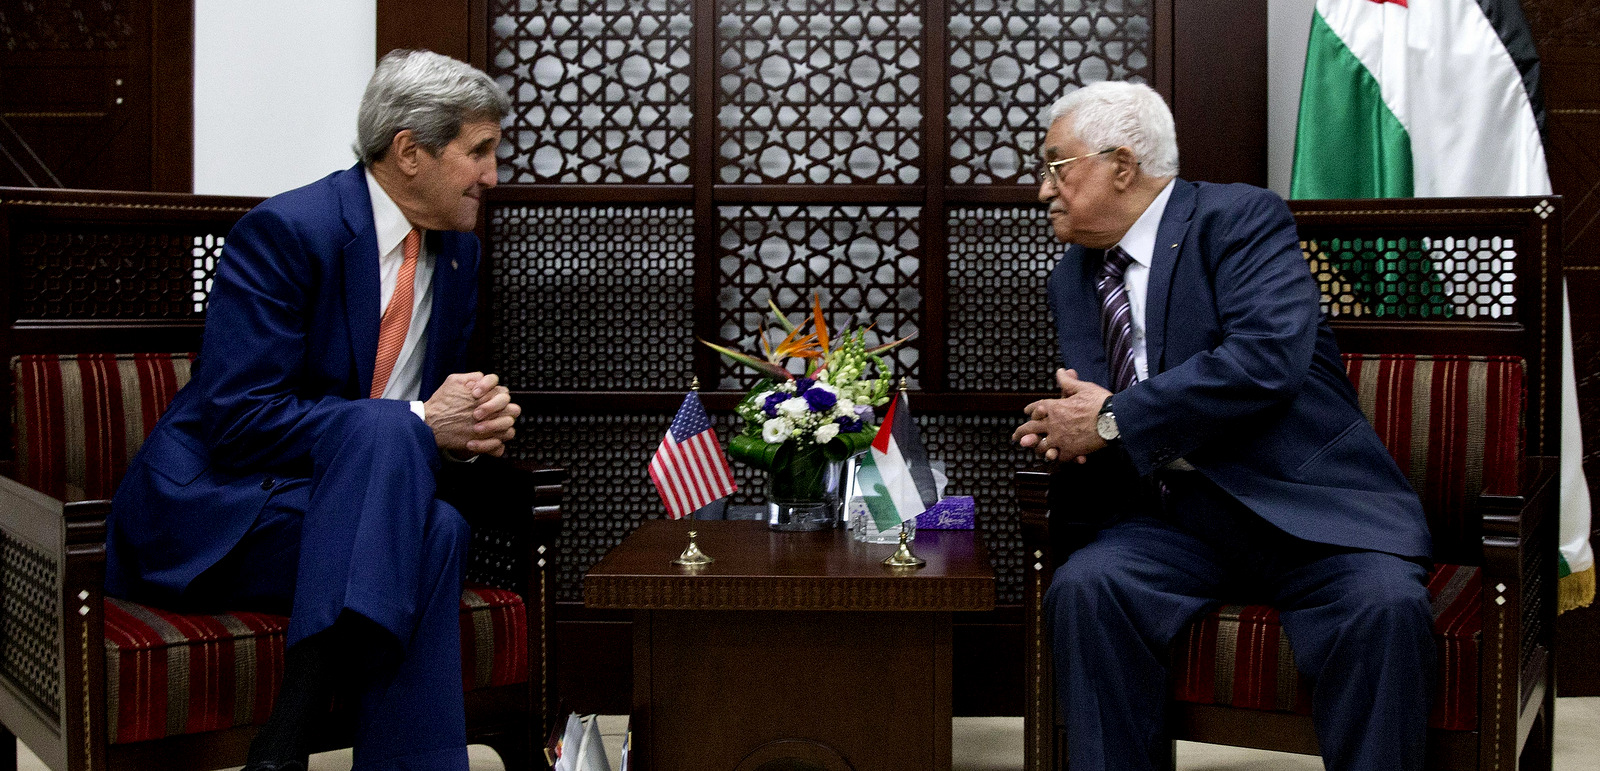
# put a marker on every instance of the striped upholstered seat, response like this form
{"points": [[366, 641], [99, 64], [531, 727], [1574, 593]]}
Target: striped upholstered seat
{"points": [[1454, 425], [78, 421]]}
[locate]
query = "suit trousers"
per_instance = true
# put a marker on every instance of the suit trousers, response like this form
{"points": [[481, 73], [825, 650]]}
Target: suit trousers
{"points": [[365, 534], [1359, 623]]}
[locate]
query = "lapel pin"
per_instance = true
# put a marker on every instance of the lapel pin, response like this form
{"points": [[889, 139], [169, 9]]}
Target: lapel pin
{"points": [[454, 264], [1174, 246]]}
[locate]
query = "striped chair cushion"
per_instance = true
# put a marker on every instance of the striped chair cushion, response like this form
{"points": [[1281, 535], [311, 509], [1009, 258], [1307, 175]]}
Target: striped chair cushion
{"points": [[1452, 423], [171, 673], [80, 418], [1238, 655]]}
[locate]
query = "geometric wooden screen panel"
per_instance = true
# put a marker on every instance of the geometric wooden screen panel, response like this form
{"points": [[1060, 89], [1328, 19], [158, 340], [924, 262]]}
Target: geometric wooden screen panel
{"points": [[1415, 277], [1001, 334], [594, 298], [865, 263], [981, 462], [601, 91], [1008, 60], [671, 166], [79, 271], [819, 93]]}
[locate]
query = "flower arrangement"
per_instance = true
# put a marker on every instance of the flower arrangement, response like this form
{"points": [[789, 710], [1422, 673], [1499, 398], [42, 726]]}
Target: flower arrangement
{"points": [[796, 424]]}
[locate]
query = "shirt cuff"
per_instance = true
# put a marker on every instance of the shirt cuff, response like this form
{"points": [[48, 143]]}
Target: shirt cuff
{"points": [[420, 409]]}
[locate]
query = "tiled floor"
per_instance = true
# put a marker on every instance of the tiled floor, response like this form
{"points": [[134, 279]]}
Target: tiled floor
{"points": [[995, 744]]}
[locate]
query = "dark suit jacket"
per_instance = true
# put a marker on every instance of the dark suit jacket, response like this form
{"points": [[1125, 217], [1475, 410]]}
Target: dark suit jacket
{"points": [[291, 334], [1245, 380]]}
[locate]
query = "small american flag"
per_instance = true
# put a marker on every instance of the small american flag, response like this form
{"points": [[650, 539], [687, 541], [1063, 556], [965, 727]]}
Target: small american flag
{"points": [[689, 468]]}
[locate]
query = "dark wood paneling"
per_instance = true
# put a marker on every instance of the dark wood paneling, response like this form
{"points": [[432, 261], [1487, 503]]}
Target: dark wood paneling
{"points": [[457, 28], [1219, 91], [1567, 33], [98, 96]]}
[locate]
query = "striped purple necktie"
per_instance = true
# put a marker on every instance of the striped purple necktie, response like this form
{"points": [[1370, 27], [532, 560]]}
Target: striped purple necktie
{"points": [[1116, 319]]}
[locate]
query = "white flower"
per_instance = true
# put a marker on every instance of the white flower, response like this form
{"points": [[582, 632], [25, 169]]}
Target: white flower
{"points": [[794, 407], [776, 430], [826, 432], [844, 407]]}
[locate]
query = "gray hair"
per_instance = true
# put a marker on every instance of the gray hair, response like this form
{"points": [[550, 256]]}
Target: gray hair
{"points": [[1116, 114], [428, 93]]}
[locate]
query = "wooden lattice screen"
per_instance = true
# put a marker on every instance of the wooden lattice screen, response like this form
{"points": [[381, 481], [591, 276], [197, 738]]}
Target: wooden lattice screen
{"points": [[671, 166]]}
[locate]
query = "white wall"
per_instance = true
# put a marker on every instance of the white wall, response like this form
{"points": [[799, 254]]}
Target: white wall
{"points": [[1288, 28], [276, 87]]}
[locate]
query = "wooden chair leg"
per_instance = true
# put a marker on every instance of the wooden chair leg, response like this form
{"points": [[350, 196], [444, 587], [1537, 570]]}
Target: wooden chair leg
{"points": [[513, 752], [1168, 761], [9, 747], [1539, 752]]}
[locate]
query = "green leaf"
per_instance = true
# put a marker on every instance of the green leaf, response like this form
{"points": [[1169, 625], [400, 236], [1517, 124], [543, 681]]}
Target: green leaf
{"points": [[753, 451], [782, 319], [846, 445], [767, 368]]}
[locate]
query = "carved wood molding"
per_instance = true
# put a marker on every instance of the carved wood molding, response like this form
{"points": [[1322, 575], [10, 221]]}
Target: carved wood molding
{"points": [[891, 593]]}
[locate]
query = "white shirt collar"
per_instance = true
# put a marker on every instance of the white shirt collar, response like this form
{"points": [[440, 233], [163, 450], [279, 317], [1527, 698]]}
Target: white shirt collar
{"points": [[387, 219], [1140, 240]]}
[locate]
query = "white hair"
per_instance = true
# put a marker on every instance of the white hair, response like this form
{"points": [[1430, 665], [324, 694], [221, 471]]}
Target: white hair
{"points": [[1116, 114], [428, 93]]}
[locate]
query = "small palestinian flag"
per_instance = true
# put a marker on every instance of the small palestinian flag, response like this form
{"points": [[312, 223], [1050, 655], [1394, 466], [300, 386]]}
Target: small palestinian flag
{"points": [[896, 480]]}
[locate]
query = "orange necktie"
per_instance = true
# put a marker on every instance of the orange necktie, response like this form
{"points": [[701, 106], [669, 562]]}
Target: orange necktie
{"points": [[397, 318]]}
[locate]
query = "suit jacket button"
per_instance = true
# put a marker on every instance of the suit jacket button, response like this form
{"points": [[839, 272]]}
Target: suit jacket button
{"points": [[266, 484]]}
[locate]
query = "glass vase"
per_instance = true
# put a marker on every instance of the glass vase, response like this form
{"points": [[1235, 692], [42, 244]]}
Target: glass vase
{"points": [[804, 494], [865, 529]]}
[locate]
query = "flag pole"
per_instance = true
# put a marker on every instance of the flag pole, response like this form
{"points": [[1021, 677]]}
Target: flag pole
{"points": [[692, 557], [902, 557]]}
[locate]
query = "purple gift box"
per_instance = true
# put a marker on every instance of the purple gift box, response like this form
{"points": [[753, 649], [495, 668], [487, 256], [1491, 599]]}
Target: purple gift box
{"points": [[950, 513]]}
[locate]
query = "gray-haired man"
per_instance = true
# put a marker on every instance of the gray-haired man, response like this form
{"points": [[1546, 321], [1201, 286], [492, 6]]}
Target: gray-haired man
{"points": [[297, 471]]}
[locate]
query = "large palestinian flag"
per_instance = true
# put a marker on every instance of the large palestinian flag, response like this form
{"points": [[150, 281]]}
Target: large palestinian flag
{"points": [[1437, 98]]}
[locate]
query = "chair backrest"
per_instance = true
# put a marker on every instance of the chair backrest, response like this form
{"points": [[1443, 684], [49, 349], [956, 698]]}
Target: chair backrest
{"points": [[1454, 424], [1467, 276], [79, 418]]}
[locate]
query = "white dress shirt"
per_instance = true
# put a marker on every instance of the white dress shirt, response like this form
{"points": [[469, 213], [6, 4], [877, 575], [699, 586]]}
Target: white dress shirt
{"points": [[405, 382], [1140, 244]]}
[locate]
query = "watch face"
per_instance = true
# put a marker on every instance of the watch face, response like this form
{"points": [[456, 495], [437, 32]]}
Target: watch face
{"points": [[1106, 426]]}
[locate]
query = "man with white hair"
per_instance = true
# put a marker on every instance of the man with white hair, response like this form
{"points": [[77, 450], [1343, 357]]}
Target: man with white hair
{"points": [[1203, 384], [297, 472]]}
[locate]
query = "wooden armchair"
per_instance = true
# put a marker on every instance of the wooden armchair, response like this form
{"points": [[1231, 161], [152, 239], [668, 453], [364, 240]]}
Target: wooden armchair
{"points": [[1468, 406], [90, 682]]}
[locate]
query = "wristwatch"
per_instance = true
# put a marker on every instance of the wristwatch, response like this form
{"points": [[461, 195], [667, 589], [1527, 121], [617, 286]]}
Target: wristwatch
{"points": [[1106, 423]]}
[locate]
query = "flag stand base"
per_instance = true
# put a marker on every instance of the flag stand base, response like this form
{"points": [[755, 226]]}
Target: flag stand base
{"points": [[902, 557], [692, 555]]}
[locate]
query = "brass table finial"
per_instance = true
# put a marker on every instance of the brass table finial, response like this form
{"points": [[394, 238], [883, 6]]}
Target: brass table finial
{"points": [[694, 385], [902, 384], [902, 557], [692, 555]]}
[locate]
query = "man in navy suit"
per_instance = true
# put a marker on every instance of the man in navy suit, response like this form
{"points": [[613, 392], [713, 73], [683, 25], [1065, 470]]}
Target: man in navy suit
{"points": [[297, 471], [1202, 377]]}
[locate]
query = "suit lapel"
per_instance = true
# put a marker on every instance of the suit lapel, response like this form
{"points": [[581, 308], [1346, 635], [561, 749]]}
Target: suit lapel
{"points": [[361, 282], [1163, 260], [1078, 319]]}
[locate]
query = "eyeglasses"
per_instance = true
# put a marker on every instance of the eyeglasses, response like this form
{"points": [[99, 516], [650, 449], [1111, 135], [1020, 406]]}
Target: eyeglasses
{"points": [[1051, 170]]}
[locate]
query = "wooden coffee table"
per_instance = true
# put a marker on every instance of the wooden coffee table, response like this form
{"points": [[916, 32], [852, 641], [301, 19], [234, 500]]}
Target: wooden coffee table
{"points": [[792, 650]]}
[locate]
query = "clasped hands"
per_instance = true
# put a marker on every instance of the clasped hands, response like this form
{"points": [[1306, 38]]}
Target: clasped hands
{"points": [[1064, 427], [472, 414]]}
